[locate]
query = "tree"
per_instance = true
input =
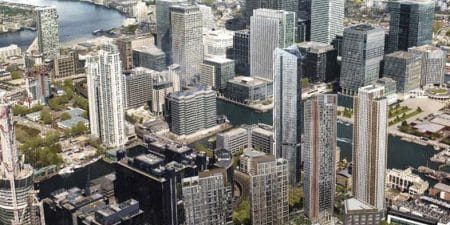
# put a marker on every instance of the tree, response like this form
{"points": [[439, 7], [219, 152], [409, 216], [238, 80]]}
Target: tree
{"points": [[241, 216], [46, 117], [76, 130], [16, 75], [419, 109], [65, 116]]}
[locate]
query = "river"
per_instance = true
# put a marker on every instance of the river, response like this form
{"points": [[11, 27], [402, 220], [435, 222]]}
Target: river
{"points": [[76, 21]]}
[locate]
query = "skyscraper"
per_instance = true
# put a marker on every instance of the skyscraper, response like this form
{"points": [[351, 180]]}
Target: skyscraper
{"points": [[106, 96], [47, 31], [268, 190], [287, 104], [252, 5], [164, 38], [370, 145], [187, 39], [18, 204], [319, 155], [320, 62], [362, 53], [327, 20], [241, 51], [411, 24], [433, 64], [270, 29]]}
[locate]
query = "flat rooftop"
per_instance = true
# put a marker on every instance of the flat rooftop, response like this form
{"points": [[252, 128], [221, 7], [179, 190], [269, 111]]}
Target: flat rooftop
{"points": [[354, 204], [249, 81]]}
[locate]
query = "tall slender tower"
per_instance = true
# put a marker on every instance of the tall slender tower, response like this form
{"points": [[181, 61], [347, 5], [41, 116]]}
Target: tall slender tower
{"points": [[187, 39], [319, 153], [370, 145], [164, 37], [287, 106], [327, 19], [18, 201], [106, 96], [270, 29], [47, 31]]}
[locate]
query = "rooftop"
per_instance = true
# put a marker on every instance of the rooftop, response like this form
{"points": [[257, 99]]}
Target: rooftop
{"points": [[249, 81], [402, 55], [354, 204], [443, 187]]}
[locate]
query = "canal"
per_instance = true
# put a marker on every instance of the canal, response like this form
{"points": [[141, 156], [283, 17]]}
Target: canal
{"points": [[401, 154]]}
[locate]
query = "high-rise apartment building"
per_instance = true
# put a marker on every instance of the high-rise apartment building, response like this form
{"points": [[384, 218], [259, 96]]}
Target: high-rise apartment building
{"points": [[405, 68], [106, 96], [269, 190], [138, 87], [319, 155], [187, 39], [362, 52], [207, 198], [192, 110], [47, 31], [433, 64], [18, 204], [164, 37], [287, 106], [370, 145], [327, 20], [320, 61], [37, 83], [270, 29], [411, 24]]}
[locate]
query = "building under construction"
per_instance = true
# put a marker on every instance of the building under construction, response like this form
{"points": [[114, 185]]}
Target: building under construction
{"points": [[18, 202]]}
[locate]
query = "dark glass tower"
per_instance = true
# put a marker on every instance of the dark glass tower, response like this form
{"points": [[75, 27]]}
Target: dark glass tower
{"points": [[411, 24]]}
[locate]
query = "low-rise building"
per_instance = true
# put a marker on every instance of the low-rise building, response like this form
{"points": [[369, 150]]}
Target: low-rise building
{"points": [[406, 181], [359, 213], [8, 51], [192, 110], [441, 190], [249, 89], [233, 140], [262, 138]]}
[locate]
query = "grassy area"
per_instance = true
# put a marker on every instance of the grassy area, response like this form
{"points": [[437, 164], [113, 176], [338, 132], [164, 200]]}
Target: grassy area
{"points": [[24, 133], [438, 91], [201, 148], [397, 110], [405, 116], [446, 140]]}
